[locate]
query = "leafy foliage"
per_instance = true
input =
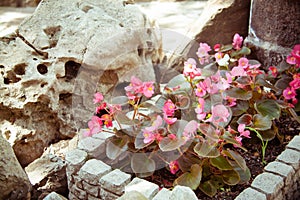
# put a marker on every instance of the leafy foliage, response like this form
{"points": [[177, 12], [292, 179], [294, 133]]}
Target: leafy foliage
{"points": [[199, 119]]}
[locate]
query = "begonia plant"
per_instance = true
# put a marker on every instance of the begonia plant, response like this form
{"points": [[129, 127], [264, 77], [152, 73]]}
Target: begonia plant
{"points": [[196, 122]]}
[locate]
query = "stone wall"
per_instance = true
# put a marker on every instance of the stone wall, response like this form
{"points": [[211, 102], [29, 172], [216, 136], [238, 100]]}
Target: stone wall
{"points": [[274, 29]]}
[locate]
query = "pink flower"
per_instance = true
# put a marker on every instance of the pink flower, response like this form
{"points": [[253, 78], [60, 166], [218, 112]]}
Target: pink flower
{"points": [[217, 47], [98, 97], [291, 60], [169, 120], [148, 136], [172, 136], [295, 84], [218, 56], [237, 41], [289, 93], [238, 71], [107, 120], [174, 166], [219, 114], [95, 126], [202, 53], [243, 62], [155, 124], [148, 89], [239, 140], [274, 71], [190, 68], [296, 54], [169, 108], [200, 90], [241, 129]]}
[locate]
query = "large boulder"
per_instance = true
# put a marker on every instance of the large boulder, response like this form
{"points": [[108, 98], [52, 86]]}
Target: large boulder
{"points": [[52, 66], [274, 30], [14, 183]]}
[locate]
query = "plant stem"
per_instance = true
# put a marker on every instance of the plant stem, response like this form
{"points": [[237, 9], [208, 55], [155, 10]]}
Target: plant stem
{"points": [[264, 144]]}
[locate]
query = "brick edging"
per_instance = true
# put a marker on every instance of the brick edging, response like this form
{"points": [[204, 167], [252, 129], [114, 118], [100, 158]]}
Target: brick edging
{"points": [[91, 179]]}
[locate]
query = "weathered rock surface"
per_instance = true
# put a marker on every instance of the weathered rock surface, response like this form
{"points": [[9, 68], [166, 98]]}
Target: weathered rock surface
{"points": [[50, 69], [47, 174], [274, 29], [54, 196], [14, 183]]}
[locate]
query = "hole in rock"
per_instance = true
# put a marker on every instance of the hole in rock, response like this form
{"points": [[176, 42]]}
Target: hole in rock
{"points": [[11, 78], [140, 51], [1, 66], [42, 69], [34, 59], [66, 98], [20, 68], [71, 69], [43, 85]]}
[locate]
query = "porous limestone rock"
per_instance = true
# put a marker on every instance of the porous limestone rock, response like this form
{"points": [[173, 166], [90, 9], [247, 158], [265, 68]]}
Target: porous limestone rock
{"points": [[14, 183], [47, 174], [51, 68]]}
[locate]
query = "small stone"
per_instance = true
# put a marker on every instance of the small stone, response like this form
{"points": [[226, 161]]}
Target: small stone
{"points": [[115, 181], [268, 183], [108, 195], [182, 192], [163, 194], [94, 147], [76, 157], [282, 169], [294, 143], [290, 157], [249, 194], [93, 170], [91, 189], [148, 189], [79, 193]]}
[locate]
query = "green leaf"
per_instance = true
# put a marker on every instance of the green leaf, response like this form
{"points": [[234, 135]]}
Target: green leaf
{"points": [[142, 165], [209, 131], [245, 119], [268, 134], [115, 146], [283, 82], [179, 80], [187, 160], [167, 144], [119, 100], [221, 163], [240, 108], [204, 149], [283, 66], [243, 51], [236, 157], [216, 181], [190, 179], [239, 93], [261, 123], [123, 119], [208, 188], [244, 174], [178, 127], [230, 177], [226, 47], [268, 107], [149, 105]]}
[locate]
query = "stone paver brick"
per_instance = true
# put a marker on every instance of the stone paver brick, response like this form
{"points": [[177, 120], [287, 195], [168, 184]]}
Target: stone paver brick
{"points": [[163, 194], [268, 183], [182, 192], [75, 159], [290, 157], [115, 181], [79, 193], [294, 143], [94, 147], [91, 189], [251, 194], [93, 170], [282, 169], [108, 195], [148, 189]]}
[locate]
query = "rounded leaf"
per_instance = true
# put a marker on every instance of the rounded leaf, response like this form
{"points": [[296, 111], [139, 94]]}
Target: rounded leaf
{"points": [[221, 163], [142, 165], [239, 93], [190, 179], [269, 108], [204, 149], [261, 123], [208, 188], [230, 177]]}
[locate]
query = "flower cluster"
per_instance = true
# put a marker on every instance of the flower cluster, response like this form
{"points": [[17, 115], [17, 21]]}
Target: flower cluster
{"points": [[200, 117]]}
